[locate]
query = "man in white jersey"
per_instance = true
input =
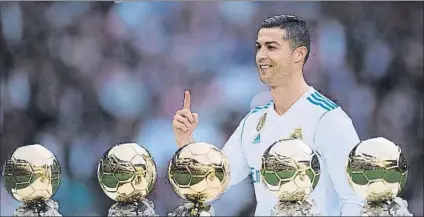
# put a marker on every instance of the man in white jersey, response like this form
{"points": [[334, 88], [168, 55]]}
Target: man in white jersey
{"points": [[296, 110]]}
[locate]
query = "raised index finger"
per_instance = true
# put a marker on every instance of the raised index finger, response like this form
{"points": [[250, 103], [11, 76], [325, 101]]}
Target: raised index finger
{"points": [[186, 100]]}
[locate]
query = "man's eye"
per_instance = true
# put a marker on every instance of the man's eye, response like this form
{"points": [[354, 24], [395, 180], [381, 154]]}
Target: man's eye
{"points": [[258, 47], [271, 48]]}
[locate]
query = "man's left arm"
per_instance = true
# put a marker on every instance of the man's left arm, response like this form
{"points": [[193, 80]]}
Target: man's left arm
{"points": [[336, 136]]}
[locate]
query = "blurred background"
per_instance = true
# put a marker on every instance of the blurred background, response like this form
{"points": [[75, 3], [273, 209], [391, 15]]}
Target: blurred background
{"points": [[79, 77]]}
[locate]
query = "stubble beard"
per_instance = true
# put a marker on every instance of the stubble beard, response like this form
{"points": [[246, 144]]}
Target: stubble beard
{"points": [[272, 80], [266, 80], [276, 80]]}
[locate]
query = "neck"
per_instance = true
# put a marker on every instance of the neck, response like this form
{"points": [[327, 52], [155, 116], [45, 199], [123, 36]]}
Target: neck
{"points": [[286, 94]]}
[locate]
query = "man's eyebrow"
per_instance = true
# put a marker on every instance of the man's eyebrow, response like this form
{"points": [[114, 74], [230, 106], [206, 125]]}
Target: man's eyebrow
{"points": [[268, 43]]}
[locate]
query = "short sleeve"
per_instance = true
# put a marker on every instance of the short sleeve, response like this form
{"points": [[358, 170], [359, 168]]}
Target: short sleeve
{"points": [[239, 168], [336, 137]]}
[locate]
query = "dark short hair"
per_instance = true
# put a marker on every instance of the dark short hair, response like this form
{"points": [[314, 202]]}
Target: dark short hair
{"points": [[298, 33]]}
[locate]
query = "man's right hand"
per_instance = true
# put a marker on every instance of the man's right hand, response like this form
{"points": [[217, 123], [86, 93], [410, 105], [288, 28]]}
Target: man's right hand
{"points": [[185, 122]]}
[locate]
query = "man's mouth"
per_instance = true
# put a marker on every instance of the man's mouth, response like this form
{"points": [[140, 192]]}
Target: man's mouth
{"points": [[265, 66]]}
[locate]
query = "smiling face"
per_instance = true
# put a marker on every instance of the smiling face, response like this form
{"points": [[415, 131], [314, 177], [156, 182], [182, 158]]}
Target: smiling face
{"points": [[276, 61]]}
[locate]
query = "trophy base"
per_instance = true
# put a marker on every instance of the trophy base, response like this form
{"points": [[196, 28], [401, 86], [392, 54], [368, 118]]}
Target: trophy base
{"points": [[192, 210], [292, 208], [396, 207], [38, 208], [142, 208]]}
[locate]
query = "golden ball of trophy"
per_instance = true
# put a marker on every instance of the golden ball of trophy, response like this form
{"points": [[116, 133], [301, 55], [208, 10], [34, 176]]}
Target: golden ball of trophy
{"points": [[127, 172], [377, 169], [31, 174], [290, 170], [199, 172]]}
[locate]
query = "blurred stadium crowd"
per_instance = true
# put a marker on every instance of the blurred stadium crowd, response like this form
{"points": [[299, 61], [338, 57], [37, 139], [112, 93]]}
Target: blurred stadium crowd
{"points": [[79, 77]]}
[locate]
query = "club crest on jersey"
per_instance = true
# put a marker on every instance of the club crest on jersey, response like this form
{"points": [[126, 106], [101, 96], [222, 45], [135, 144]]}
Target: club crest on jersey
{"points": [[297, 134], [257, 139], [261, 123]]}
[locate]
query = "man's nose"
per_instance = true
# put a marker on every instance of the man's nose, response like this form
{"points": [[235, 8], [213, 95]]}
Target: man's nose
{"points": [[261, 55]]}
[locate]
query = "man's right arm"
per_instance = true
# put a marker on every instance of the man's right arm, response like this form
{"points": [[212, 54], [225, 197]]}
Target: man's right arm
{"points": [[238, 165]]}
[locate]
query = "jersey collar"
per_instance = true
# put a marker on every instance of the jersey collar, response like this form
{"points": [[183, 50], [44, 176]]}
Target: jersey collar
{"points": [[273, 114]]}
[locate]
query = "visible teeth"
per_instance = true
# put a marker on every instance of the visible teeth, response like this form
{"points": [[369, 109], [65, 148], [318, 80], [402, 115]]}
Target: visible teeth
{"points": [[265, 66]]}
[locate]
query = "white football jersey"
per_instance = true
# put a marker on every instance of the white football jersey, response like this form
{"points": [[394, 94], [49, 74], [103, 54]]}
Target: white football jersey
{"points": [[320, 123]]}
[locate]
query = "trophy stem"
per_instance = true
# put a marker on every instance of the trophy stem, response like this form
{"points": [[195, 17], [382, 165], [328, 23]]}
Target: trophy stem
{"points": [[192, 209], [201, 209], [295, 208], [395, 207], [143, 207], [38, 208]]}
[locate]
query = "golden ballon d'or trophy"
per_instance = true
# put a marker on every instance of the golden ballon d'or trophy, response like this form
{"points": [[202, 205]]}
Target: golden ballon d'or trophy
{"points": [[290, 169], [127, 174], [377, 171], [199, 173], [31, 174]]}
